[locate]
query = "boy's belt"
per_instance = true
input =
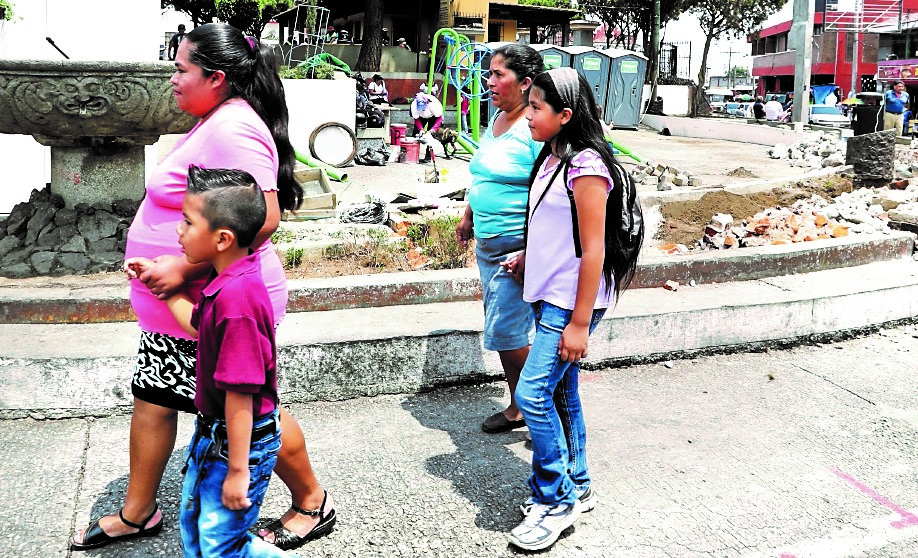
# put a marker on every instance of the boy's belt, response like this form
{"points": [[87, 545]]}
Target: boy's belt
{"points": [[206, 425]]}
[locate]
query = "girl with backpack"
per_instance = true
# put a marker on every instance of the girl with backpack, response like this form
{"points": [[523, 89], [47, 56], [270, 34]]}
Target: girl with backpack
{"points": [[584, 231]]}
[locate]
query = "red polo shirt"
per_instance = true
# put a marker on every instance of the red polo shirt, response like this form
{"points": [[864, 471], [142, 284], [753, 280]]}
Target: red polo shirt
{"points": [[236, 347]]}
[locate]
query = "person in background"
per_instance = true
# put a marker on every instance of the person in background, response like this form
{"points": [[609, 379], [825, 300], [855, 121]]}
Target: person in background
{"points": [[402, 43], [496, 214], [175, 40], [773, 110], [758, 109], [427, 112], [464, 110], [376, 91], [331, 36], [895, 103]]}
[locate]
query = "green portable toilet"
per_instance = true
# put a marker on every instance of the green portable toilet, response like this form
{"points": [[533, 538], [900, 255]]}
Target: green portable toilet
{"points": [[626, 85], [553, 56], [594, 65]]}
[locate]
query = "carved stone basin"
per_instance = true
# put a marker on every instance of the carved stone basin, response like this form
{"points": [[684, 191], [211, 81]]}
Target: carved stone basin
{"points": [[96, 116]]}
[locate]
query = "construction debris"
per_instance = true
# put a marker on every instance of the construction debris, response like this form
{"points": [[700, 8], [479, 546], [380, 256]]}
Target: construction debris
{"points": [[861, 211], [823, 150], [663, 176]]}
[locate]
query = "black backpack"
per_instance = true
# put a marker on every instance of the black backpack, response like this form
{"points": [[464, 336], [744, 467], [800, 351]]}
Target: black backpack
{"points": [[629, 230]]}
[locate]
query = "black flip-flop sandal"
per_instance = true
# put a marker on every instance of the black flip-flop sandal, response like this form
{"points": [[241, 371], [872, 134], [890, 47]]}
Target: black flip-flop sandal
{"points": [[95, 537], [285, 539]]}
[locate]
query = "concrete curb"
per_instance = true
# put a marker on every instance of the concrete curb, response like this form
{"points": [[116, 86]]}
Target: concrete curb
{"points": [[84, 369], [110, 304]]}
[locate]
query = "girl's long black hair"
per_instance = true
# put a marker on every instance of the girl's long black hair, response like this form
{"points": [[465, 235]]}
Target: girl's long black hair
{"points": [[251, 71], [583, 131]]}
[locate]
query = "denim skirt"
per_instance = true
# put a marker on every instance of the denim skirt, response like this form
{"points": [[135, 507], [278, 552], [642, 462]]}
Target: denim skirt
{"points": [[509, 324]]}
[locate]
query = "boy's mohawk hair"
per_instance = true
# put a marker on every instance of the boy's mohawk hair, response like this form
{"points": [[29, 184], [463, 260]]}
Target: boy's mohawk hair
{"points": [[232, 200]]}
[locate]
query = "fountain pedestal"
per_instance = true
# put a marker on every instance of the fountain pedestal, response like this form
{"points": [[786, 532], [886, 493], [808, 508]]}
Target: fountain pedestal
{"points": [[95, 116]]}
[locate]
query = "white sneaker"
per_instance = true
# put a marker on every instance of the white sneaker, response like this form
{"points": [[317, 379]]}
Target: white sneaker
{"points": [[587, 498], [544, 524]]}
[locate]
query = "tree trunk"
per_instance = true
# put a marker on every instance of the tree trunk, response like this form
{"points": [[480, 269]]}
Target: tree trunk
{"points": [[371, 48], [702, 73]]}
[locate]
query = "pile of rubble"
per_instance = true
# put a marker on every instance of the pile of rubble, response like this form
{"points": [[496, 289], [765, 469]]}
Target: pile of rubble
{"points": [[866, 210], [664, 177], [821, 150], [43, 237]]}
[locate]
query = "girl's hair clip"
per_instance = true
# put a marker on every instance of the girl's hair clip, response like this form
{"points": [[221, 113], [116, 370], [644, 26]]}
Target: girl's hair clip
{"points": [[251, 40]]}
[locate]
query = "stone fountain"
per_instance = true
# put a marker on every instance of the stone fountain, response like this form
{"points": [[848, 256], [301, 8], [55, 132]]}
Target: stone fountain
{"points": [[96, 117]]}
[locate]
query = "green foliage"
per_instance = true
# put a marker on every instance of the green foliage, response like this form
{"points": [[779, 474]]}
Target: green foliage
{"points": [[293, 257], [547, 3], [738, 72], [200, 11], [6, 6], [319, 71], [371, 250], [281, 236], [441, 244]]}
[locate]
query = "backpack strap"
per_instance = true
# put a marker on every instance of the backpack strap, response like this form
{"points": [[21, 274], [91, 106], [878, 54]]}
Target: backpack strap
{"points": [[578, 250], [529, 213]]}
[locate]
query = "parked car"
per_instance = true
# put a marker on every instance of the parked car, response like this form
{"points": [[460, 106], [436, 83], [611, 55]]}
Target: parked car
{"points": [[718, 97], [828, 115], [781, 97], [737, 109]]}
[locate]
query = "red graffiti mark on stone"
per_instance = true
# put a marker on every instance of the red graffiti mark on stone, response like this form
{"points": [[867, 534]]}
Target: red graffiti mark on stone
{"points": [[76, 178]]}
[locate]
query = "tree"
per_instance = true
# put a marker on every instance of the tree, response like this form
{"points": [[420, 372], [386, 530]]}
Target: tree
{"points": [[200, 11], [719, 18], [371, 48], [738, 72]]}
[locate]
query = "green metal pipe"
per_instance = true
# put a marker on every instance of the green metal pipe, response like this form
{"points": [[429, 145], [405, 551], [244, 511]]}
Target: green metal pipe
{"points": [[332, 172]]}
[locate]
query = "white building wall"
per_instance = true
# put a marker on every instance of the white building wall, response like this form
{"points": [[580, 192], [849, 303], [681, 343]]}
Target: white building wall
{"points": [[84, 30]]}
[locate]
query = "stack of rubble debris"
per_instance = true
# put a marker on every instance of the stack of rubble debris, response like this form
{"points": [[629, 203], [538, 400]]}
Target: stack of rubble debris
{"points": [[664, 177], [821, 150], [865, 210]]}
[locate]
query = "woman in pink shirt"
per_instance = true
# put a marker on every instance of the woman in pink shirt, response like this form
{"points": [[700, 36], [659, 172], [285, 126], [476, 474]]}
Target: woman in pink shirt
{"points": [[231, 83]]}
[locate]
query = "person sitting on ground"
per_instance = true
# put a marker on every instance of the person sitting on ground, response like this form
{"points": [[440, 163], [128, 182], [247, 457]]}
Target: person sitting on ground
{"points": [[427, 112], [237, 431], [758, 109], [331, 36], [377, 92], [175, 40], [773, 110]]}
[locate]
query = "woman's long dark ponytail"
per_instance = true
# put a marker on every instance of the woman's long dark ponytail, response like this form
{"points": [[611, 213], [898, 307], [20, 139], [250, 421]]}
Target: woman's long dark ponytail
{"points": [[251, 71]]}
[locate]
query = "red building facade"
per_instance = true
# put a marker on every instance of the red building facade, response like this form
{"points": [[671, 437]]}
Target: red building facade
{"points": [[835, 34]]}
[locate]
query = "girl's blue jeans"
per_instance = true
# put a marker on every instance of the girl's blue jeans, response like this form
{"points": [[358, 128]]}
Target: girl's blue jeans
{"points": [[547, 394], [208, 527]]}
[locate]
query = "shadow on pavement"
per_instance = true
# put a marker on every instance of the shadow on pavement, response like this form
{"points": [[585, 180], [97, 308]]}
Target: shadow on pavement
{"points": [[484, 468]]}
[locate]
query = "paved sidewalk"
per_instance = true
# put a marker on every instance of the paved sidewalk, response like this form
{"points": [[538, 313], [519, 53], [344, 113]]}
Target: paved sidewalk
{"points": [[705, 457]]}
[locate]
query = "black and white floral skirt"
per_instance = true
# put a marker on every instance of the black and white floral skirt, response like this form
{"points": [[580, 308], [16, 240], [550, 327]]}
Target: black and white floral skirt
{"points": [[164, 373]]}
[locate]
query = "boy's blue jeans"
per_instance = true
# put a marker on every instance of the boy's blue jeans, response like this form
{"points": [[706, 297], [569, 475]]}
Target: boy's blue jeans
{"points": [[208, 528], [547, 394]]}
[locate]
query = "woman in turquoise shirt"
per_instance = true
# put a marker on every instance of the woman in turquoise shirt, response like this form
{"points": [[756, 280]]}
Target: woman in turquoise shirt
{"points": [[496, 214]]}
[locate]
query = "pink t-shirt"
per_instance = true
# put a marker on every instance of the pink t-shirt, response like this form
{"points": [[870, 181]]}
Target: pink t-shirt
{"points": [[552, 267], [236, 347], [233, 137]]}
